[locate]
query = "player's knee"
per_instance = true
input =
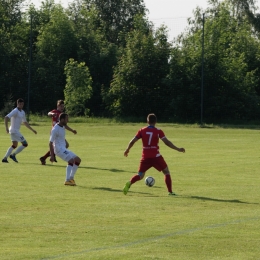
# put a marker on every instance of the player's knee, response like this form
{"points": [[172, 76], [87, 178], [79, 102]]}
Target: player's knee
{"points": [[141, 174], [71, 161], [25, 144], [77, 161], [166, 171]]}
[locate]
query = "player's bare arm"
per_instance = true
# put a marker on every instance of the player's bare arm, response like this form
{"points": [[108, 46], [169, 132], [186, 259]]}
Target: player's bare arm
{"points": [[171, 145], [51, 152], [70, 129], [51, 114], [6, 124], [131, 143], [29, 127]]}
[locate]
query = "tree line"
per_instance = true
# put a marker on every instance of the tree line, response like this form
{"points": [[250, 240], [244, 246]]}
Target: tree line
{"points": [[106, 59]]}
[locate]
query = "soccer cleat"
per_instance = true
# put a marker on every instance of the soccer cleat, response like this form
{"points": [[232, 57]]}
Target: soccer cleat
{"points": [[172, 194], [12, 156], [72, 180], [70, 183], [42, 160], [127, 187], [5, 160]]}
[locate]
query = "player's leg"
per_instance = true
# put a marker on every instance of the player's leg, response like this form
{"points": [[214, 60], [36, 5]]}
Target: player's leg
{"points": [[75, 167], [145, 164], [44, 157], [168, 180], [9, 151], [69, 157], [161, 165], [19, 149]]}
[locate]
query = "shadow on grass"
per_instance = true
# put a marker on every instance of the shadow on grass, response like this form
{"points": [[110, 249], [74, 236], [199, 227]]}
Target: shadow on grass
{"points": [[220, 200], [89, 168], [146, 194], [105, 169], [120, 191]]}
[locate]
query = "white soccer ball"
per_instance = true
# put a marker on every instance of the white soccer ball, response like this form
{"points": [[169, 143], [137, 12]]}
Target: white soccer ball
{"points": [[149, 181]]}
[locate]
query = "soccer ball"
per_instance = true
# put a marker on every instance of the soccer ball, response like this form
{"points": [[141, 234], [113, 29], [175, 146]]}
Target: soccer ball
{"points": [[149, 181]]}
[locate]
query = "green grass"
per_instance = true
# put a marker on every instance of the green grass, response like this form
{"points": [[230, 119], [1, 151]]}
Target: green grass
{"points": [[216, 214]]}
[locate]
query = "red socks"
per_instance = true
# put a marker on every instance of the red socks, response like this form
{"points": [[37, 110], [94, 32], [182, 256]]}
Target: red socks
{"points": [[168, 182], [135, 179]]}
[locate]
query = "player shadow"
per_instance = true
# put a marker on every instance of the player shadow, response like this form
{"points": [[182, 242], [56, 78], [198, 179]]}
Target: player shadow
{"points": [[220, 200], [121, 191], [104, 169], [88, 168]]}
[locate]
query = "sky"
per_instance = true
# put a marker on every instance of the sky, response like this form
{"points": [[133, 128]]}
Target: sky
{"points": [[172, 13]]}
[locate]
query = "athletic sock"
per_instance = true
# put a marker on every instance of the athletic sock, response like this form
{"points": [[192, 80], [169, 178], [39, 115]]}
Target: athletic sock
{"points": [[68, 171], [168, 182], [9, 151], [135, 179], [73, 170], [19, 149]]}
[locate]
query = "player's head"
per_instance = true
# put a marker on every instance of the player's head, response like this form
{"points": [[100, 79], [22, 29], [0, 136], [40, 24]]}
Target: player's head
{"points": [[20, 103], [151, 119], [63, 118], [20, 100], [60, 105]]}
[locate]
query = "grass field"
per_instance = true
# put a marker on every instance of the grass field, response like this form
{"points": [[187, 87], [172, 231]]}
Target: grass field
{"points": [[216, 214]]}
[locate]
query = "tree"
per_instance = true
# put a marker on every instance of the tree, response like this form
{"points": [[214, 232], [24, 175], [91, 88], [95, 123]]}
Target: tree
{"points": [[230, 79], [56, 43], [99, 55], [14, 46], [78, 89], [116, 16], [138, 85]]}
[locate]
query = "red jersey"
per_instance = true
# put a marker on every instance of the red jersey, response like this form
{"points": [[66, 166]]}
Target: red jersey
{"points": [[55, 119], [150, 137]]}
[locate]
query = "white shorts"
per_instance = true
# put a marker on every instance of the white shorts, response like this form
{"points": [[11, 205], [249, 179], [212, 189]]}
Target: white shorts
{"points": [[66, 155], [17, 137]]}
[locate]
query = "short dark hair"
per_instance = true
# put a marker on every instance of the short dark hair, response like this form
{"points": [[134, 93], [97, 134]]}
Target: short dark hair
{"points": [[63, 116], [60, 102], [20, 100], [151, 119]]}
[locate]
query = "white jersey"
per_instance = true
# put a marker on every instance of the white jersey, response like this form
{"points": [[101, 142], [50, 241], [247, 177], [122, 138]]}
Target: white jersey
{"points": [[58, 138], [17, 118]]}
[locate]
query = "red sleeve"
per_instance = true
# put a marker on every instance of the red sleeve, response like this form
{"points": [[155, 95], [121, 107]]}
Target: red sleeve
{"points": [[161, 134], [139, 134]]}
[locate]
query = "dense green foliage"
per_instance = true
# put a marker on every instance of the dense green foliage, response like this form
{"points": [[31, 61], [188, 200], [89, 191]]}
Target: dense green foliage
{"points": [[132, 67], [78, 89]]}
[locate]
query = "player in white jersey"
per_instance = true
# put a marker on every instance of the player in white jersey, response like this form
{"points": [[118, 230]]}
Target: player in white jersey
{"points": [[58, 147], [17, 117]]}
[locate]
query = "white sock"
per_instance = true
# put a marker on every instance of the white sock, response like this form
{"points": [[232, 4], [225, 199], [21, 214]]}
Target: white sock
{"points": [[73, 171], [19, 149], [9, 151], [68, 171]]}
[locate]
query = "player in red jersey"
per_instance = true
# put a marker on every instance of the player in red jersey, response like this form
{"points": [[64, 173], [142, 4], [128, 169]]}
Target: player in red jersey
{"points": [[54, 114], [151, 156]]}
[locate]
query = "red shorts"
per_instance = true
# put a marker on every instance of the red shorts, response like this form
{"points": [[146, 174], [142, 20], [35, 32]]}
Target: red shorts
{"points": [[158, 163]]}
